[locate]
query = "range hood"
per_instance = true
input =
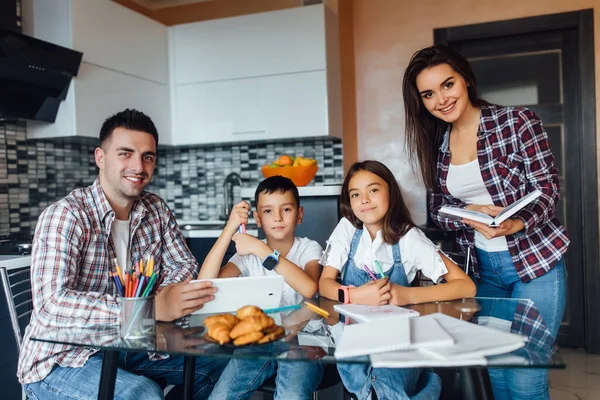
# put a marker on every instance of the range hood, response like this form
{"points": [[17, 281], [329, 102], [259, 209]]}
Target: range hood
{"points": [[34, 76]]}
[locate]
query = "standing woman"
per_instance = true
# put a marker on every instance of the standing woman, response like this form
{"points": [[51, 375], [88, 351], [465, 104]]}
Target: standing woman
{"points": [[484, 157]]}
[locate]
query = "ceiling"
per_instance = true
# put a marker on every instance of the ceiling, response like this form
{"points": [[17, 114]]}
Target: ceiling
{"points": [[158, 4]]}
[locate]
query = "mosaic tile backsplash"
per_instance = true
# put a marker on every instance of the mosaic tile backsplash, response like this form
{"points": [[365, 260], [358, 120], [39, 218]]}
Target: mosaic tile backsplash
{"points": [[35, 173]]}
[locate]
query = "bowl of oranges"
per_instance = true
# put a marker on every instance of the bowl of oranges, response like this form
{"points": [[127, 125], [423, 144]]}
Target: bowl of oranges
{"points": [[300, 170]]}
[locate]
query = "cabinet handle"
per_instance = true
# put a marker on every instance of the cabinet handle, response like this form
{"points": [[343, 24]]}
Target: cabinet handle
{"points": [[248, 132]]}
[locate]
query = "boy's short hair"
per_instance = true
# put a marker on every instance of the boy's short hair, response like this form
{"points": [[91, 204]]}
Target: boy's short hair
{"points": [[274, 184]]}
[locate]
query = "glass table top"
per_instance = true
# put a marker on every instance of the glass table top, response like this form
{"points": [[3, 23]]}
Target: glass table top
{"points": [[310, 337]]}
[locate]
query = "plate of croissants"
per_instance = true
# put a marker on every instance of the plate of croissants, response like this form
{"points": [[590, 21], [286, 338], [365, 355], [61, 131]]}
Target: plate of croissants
{"points": [[249, 325]]}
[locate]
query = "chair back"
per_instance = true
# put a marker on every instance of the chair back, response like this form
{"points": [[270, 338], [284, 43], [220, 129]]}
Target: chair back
{"points": [[16, 286], [461, 259]]}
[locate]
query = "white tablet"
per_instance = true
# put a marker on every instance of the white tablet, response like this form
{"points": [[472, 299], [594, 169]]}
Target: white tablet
{"points": [[234, 293]]}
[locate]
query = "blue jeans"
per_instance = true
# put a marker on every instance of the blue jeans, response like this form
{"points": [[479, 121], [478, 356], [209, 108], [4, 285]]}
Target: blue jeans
{"points": [[136, 377], [390, 383], [499, 279], [293, 379]]}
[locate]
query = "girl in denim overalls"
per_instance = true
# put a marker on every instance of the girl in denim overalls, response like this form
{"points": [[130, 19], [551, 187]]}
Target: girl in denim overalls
{"points": [[377, 225]]}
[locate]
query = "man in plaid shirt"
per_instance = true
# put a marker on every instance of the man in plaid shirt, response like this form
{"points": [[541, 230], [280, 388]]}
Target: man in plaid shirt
{"points": [[75, 240]]}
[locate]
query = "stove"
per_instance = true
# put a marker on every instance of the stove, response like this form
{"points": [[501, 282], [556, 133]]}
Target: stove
{"points": [[16, 244]]}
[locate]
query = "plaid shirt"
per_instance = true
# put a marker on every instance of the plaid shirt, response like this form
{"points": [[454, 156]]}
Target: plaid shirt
{"points": [[515, 159], [70, 281]]}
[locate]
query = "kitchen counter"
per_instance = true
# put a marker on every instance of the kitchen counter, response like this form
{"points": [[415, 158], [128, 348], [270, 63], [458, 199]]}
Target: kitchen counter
{"points": [[303, 191], [14, 262]]}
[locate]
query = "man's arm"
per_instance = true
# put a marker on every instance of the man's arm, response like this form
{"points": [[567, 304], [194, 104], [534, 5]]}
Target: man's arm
{"points": [[55, 268]]}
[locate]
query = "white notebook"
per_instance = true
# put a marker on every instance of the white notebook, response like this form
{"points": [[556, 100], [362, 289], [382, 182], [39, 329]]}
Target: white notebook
{"points": [[459, 213], [472, 340], [387, 334], [362, 313]]}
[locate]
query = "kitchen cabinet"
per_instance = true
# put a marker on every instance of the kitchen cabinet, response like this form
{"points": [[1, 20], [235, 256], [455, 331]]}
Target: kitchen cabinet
{"points": [[125, 64], [272, 75], [270, 107], [278, 42]]}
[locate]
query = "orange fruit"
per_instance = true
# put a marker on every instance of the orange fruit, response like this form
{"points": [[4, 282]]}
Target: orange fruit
{"points": [[285, 160]]}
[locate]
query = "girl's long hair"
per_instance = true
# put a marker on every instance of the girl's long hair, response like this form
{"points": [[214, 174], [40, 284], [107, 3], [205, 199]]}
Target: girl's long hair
{"points": [[397, 221], [424, 132]]}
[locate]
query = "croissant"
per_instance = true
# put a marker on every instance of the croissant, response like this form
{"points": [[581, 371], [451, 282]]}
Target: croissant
{"points": [[227, 319], [220, 332], [251, 324], [249, 311]]}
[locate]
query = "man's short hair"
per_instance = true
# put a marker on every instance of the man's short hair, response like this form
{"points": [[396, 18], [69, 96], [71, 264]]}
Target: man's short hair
{"points": [[279, 184], [128, 119]]}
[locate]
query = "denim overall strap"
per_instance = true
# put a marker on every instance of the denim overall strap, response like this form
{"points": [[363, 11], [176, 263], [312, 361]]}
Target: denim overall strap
{"points": [[397, 274], [350, 262]]}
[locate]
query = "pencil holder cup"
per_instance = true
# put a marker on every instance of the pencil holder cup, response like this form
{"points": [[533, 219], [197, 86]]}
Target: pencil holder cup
{"points": [[137, 317]]}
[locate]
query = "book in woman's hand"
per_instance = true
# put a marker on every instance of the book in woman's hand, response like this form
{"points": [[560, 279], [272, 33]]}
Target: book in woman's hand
{"points": [[460, 213]]}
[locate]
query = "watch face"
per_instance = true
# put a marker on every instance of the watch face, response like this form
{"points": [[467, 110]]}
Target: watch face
{"points": [[341, 295], [270, 263]]}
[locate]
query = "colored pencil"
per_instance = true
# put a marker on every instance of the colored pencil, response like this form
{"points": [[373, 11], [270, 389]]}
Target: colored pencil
{"points": [[379, 269], [370, 272], [284, 308], [316, 309], [149, 287]]}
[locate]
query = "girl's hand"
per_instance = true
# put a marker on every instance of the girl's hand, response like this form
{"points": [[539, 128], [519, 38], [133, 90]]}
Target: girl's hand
{"points": [[508, 227], [399, 295], [374, 293], [238, 216]]}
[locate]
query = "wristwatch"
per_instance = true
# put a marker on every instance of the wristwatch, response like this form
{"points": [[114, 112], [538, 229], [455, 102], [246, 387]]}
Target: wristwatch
{"points": [[344, 294], [271, 260]]}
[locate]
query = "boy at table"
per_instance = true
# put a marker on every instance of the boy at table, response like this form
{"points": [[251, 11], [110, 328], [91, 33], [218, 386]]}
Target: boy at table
{"points": [[76, 240], [278, 211]]}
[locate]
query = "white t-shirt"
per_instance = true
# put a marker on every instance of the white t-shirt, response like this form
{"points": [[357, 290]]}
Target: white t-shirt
{"points": [[302, 252], [465, 182], [416, 252], [119, 231]]}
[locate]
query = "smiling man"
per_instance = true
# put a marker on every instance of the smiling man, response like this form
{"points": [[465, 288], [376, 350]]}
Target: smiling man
{"points": [[76, 240]]}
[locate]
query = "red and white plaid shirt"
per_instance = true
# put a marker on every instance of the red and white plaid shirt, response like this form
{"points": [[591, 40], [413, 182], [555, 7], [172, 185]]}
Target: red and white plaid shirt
{"points": [[71, 257], [515, 159]]}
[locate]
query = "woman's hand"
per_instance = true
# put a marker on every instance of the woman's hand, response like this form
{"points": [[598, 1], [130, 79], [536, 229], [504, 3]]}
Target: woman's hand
{"points": [[508, 227], [374, 293]]}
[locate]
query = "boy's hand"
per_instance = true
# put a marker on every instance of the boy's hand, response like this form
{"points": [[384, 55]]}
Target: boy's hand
{"points": [[248, 244], [374, 293], [238, 216]]}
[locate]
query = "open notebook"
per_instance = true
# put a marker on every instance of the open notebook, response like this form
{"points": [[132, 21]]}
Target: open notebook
{"points": [[363, 313]]}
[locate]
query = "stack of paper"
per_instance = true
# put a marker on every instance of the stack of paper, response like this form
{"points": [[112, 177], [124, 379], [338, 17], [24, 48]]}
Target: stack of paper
{"points": [[470, 344], [362, 313], [377, 336]]}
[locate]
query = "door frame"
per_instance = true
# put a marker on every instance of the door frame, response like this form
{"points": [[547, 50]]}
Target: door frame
{"points": [[583, 22]]}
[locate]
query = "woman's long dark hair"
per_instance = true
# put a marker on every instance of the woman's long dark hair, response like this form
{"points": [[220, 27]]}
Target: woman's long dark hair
{"points": [[424, 131], [397, 221]]}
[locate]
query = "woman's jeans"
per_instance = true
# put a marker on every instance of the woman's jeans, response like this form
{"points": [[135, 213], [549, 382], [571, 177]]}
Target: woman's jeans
{"points": [[548, 292]]}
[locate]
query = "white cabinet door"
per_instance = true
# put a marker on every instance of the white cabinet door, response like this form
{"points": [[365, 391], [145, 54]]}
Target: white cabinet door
{"points": [[115, 37], [217, 112], [100, 93], [271, 107], [296, 105], [253, 45]]}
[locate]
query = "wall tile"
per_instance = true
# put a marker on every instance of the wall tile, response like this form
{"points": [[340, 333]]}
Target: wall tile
{"points": [[36, 173]]}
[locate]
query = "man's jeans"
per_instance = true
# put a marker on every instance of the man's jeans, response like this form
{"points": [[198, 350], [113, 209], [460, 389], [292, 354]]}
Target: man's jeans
{"points": [[136, 378], [499, 279]]}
